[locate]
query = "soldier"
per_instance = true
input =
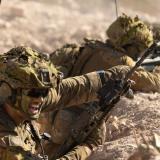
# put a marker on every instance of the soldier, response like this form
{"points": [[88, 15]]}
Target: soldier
{"points": [[32, 85], [127, 39]]}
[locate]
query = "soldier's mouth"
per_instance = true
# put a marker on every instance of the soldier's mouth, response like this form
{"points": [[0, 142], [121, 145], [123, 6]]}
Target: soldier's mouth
{"points": [[34, 109]]}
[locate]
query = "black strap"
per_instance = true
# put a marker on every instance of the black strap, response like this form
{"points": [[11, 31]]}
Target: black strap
{"points": [[37, 138], [101, 74]]}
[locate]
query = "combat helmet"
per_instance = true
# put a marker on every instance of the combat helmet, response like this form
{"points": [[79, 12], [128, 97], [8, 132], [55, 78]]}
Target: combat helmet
{"points": [[23, 67], [129, 31]]}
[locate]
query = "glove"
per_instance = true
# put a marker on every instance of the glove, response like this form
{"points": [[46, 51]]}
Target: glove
{"points": [[112, 90]]}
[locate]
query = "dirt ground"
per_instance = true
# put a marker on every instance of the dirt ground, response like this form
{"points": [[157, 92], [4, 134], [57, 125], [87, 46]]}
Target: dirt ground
{"points": [[48, 24]]}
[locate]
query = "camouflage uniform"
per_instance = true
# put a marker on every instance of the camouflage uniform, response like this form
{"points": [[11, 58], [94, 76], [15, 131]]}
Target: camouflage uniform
{"points": [[23, 70], [127, 39]]}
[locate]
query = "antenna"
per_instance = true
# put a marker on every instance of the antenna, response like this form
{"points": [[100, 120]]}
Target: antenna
{"points": [[116, 6]]}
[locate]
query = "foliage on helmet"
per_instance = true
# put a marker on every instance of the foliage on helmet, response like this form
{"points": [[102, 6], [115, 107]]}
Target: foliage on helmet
{"points": [[23, 67], [127, 31]]}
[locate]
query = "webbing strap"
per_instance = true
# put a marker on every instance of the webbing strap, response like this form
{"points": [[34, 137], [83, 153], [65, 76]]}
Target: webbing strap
{"points": [[101, 74]]}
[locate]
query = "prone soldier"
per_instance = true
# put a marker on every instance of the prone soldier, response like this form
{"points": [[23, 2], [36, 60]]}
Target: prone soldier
{"points": [[127, 39]]}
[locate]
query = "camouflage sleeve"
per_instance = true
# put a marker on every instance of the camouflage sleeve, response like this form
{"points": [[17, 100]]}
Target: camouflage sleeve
{"points": [[146, 81], [81, 89]]}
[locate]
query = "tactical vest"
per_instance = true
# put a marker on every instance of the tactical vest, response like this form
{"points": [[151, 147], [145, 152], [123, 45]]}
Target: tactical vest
{"points": [[19, 139]]}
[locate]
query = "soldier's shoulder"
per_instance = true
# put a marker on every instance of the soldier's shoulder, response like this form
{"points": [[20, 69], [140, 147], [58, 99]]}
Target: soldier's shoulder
{"points": [[68, 48], [95, 43], [69, 45]]}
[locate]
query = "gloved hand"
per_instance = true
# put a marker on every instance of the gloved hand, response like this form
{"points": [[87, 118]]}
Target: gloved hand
{"points": [[112, 90]]}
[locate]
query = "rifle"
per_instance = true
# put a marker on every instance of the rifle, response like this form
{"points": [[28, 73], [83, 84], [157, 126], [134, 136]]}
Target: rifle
{"points": [[94, 115], [150, 63], [153, 60]]}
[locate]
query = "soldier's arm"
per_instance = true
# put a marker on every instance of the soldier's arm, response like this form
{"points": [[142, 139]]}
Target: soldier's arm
{"points": [[146, 81], [81, 89]]}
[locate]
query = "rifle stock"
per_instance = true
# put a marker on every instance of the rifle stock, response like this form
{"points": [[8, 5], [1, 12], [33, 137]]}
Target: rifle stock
{"points": [[93, 115]]}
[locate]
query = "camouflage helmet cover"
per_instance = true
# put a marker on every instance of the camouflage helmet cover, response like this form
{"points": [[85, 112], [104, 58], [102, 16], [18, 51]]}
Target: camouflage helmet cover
{"points": [[126, 30], [23, 67]]}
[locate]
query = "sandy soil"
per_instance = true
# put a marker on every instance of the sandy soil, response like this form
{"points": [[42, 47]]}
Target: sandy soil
{"points": [[48, 24], [135, 117]]}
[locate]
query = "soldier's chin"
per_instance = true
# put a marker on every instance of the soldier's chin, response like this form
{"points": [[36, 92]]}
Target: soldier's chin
{"points": [[34, 116]]}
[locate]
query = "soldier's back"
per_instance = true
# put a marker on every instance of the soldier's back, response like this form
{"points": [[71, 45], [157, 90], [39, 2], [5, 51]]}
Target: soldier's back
{"points": [[90, 56], [97, 55]]}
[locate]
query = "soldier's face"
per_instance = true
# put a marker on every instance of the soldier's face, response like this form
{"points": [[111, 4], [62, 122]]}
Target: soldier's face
{"points": [[31, 106], [31, 101], [134, 51]]}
